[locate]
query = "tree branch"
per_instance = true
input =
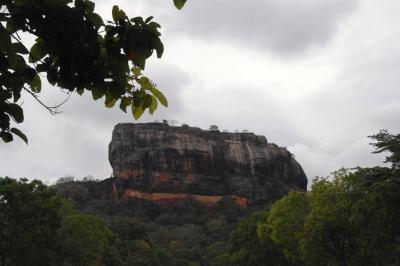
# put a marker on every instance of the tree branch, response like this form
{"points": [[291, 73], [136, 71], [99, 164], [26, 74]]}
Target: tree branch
{"points": [[52, 109]]}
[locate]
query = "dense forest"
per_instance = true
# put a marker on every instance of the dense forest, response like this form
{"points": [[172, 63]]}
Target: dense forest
{"points": [[350, 218]]}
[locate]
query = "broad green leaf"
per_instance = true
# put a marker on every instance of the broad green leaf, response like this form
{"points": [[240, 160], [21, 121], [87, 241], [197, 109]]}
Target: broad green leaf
{"points": [[14, 60], [145, 83], [136, 71], [36, 84], [179, 3], [89, 6], [129, 87], [80, 91], [115, 12], [85, 5], [44, 67], [5, 39], [20, 48], [148, 19], [15, 111], [19, 133], [147, 100], [10, 25], [158, 46], [116, 90], [36, 53], [139, 60], [154, 104], [6, 136], [28, 74], [136, 99], [137, 111], [97, 93], [160, 96], [154, 25], [16, 95], [122, 63], [95, 19], [110, 101], [125, 102], [52, 76], [137, 20]]}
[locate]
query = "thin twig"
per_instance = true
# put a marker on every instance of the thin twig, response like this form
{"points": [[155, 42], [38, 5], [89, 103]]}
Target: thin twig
{"points": [[16, 33], [52, 109], [64, 101]]}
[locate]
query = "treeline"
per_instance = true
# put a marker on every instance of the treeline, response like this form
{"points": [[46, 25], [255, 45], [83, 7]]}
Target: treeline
{"points": [[352, 219], [37, 227], [85, 227], [349, 219]]}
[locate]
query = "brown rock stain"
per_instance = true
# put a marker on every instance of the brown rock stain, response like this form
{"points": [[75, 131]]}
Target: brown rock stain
{"points": [[129, 174], [161, 178], [207, 199], [240, 201], [190, 179], [160, 197]]}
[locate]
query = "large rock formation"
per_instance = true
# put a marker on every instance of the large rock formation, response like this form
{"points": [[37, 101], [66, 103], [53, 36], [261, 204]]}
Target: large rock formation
{"points": [[159, 162]]}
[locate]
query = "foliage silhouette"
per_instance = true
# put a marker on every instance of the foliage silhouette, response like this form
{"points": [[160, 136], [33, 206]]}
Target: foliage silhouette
{"points": [[77, 51]]}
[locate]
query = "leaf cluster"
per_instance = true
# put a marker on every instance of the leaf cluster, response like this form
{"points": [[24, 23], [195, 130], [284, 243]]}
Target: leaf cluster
{"points": [[386, 142], [75, 50], [37, 227], [351, 220]]}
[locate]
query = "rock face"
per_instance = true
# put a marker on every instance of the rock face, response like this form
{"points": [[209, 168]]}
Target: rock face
{"points": [[159, 162]]}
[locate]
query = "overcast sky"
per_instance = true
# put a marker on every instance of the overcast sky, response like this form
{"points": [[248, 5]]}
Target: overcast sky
{"points": [[316, 76]]}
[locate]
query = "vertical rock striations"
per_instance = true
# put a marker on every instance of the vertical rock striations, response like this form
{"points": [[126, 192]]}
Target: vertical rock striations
{"points": [[159, 162]]}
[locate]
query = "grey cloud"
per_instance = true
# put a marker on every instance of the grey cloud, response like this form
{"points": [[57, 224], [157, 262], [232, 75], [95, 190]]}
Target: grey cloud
{"points": [[75, 142], [387, 117], [362, 99], [236, 108], [317, 162], [283, 27]]}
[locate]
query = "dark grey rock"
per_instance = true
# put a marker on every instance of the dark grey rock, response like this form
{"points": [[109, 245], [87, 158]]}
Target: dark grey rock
{"points": [[156, 157]]}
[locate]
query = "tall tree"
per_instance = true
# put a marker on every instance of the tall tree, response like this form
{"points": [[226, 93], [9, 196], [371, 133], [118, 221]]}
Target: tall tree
{"points": [[350, 220], [249, 248], [85, 240], [286, 223], [386, 142], [30, 217]]}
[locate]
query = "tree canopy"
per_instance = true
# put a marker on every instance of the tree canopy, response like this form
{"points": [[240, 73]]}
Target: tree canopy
{"points": [[38, 227], [350, 220], [30, 215], [75, 50]]}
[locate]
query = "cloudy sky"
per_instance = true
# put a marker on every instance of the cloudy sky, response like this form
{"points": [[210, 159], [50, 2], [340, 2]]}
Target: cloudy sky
{"points": [[315, 76]]}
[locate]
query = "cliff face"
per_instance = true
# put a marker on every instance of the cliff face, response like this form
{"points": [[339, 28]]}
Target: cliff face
{"points": [[163, 163]]}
